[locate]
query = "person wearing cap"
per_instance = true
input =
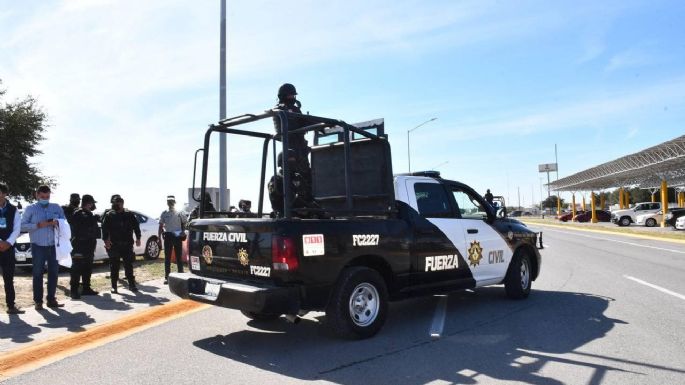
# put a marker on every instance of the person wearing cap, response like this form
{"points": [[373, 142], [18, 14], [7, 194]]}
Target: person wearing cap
{"points": [[74, 201], [298, 147], [84, 235], [10, 227], [118, 227], [172, 225]]}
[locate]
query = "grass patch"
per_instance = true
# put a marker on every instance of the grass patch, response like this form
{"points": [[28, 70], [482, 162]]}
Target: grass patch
{"points": [[667, 233]]}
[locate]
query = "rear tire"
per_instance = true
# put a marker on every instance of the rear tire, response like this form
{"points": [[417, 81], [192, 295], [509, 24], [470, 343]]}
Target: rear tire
{"points": [[518, 281], [358, 305], [260, 316]]}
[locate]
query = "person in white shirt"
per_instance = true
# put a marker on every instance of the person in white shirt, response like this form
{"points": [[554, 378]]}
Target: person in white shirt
{"points": [[10, 227], [172, 225]]}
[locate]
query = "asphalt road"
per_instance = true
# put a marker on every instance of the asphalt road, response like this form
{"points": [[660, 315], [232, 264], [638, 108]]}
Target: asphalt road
{"points": [[605, 310]]}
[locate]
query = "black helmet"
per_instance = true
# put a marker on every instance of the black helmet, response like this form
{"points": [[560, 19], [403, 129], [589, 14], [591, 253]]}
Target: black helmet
{"points": [[286, 89]]}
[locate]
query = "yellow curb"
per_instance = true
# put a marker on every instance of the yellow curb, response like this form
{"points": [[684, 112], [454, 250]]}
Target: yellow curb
{"points": [[45, 352], [650, 237]]}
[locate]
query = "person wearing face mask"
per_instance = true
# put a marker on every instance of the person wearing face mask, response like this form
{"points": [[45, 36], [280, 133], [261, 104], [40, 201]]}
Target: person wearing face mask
{"points": [[40, 220], [172, 225], [10, 226], [84, 234], [118, 227], [298, 148], [74, 201]]}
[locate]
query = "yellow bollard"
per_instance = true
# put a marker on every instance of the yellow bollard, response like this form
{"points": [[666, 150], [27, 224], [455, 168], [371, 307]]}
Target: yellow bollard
{"points": [[602, 201], [573, 206], [592, 205], [620, 198], [664, 202], [626, 201]]}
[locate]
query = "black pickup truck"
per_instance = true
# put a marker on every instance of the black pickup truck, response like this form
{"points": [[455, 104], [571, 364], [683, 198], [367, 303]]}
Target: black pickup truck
{"points": [[376, 237]]}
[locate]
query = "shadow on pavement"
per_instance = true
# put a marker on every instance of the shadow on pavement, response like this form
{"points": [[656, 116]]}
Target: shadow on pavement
{"points": [[485, 335], [60, 318], [17, 330]]}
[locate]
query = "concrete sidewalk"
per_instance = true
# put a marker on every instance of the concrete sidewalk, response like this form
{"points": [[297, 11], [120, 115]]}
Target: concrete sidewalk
{"points": [[78, 315]]}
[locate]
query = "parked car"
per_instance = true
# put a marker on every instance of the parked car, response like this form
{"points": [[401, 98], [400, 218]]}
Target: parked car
{"points": [[565, 217], [149, 245], [627, 216], [602, 216], [673, 215], [680, 223], [649, 219]]}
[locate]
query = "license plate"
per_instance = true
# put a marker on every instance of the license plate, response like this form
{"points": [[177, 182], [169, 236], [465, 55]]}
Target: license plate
{"points": [[212, 289], [195, 263], [20, 257]]}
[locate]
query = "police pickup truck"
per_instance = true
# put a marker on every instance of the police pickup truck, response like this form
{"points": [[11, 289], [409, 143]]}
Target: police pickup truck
{"points": [[374, 237]]}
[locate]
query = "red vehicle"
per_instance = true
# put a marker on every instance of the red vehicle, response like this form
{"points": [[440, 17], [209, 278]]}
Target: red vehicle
{"points": [[602, 216], [569, 215]]}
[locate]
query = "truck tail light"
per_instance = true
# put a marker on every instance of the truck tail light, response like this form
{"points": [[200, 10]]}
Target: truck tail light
{"points": [[283, 254]]}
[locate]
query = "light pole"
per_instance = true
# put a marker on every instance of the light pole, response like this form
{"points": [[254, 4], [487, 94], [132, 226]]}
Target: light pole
{"points": [[223, 185], [410, 130], [440, 164]]}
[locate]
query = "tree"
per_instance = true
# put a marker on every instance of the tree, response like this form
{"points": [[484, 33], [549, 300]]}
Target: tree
{"points": [[551, 202], [22, 124]]}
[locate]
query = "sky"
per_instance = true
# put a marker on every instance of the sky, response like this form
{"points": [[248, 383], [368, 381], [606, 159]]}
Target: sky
{"points": [[130, 87]]}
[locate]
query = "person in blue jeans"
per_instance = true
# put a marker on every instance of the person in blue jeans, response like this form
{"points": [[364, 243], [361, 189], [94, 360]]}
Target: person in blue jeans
{"points": [[39, 220]]}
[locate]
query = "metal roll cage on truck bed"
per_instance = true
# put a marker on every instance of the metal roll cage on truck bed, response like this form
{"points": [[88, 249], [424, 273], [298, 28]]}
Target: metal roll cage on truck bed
{"points": [[368, 238], [323, 127]]}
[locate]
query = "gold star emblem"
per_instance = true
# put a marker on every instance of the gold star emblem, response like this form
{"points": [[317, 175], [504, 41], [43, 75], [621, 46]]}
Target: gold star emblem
{"points": [[207, 254], [475, 253], [244, 258]]}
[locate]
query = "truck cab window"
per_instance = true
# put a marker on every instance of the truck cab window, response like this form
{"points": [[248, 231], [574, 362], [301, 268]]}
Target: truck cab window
{"points": [[469, 207], [432, 200]]}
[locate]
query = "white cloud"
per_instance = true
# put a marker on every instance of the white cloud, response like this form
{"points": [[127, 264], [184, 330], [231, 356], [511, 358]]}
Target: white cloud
{"points": [[632, 58]]}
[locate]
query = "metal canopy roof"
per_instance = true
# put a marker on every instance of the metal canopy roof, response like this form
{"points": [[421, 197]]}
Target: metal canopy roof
{"points": [[645, 169]]}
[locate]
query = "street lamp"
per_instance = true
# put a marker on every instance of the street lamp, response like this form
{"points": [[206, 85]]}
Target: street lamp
{"points": [[440, 164], [410, 130]]}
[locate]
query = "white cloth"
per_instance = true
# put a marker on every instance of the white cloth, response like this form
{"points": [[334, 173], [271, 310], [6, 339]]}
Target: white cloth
{"points": [[63, 243]]}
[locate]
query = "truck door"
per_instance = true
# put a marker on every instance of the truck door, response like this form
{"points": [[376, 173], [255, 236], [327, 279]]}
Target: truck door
{"points": [[487, 253], [436, 259]]}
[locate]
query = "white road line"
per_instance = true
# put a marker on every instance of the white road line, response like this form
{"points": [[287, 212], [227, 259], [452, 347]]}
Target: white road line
{"points": [[661, 289], [439, 318], [627, 243]]}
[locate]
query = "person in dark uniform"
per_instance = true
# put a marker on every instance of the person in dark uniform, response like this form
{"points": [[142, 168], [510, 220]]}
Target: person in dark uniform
{"points": [[74, 201], [10, 227], [209, 207], [118, 227], [84, 234], [298, 148], [488, 197]]}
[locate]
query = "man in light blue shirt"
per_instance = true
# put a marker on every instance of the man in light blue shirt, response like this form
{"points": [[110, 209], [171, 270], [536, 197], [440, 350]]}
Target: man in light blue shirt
{"points": [[39, 220]]}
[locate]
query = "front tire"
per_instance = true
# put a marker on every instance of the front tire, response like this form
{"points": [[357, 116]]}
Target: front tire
{"points": [[358, 305], [625, 221], [518, 281], [152, 249], [651, 222]]}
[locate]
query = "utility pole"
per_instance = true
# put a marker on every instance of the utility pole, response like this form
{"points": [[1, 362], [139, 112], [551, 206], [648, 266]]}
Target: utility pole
{"points": [[518, 189], [223, 172], [410, 130]]}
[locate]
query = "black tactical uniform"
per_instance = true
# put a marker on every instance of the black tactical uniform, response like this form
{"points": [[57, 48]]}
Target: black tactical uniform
{"points": [[84, 234], [7, 262], [73, 205], [298, 154], [118, 227]]}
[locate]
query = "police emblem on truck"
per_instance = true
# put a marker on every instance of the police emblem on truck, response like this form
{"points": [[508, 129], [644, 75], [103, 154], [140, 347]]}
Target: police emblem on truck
{"points": [[207, 254], [475, 253], [243, 257]]}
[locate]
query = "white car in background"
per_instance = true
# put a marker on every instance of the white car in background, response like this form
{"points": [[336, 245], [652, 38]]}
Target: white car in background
{"points": [[680, 223], [650, 219], [149, 242]]}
